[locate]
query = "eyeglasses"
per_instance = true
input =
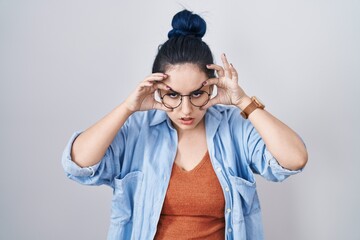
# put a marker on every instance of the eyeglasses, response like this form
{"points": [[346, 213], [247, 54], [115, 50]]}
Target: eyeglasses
{"points": [[198, 98]]}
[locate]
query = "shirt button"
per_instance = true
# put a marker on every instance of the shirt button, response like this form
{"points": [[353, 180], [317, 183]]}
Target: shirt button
{"points": [[218, 169], [92, 171], [228, 210], [229, 230], [227, 189]]}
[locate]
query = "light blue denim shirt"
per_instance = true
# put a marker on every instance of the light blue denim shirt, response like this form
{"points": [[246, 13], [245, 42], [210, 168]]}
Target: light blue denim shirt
{"points": [[138, 163]]}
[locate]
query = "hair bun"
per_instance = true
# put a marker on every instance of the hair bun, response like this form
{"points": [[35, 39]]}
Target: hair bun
{"points": [[185, 23]]}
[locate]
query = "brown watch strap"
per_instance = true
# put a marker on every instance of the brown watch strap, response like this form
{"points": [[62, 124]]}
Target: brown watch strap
{"points": [[249, 109]]}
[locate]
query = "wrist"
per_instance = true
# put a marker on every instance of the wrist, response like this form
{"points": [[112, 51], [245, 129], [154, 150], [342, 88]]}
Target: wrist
{"points": [[126, 108], [244, 102], [254, 104]]}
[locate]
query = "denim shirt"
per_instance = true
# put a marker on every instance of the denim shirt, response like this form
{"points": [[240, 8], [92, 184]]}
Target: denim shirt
{"points": [[138, 163]]}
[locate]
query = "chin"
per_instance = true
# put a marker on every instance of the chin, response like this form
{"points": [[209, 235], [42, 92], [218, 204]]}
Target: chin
{"points": [[183, 127]]}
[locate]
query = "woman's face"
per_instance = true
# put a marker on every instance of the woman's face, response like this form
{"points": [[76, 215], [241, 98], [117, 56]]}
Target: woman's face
{"points": [[184, 79]]}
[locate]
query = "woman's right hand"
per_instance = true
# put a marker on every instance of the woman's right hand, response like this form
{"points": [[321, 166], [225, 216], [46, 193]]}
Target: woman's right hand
{"points": [[142, 98]]}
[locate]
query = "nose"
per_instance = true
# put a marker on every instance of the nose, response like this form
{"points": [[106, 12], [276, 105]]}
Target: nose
{"points": [[186, 106]]}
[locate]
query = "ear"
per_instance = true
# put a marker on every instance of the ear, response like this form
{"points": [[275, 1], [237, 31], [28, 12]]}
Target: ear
{"points": [[157, 95], [213, 91]]}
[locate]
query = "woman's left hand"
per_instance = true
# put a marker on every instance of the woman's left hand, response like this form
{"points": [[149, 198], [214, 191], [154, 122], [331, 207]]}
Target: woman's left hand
{"points": [[228, 90]]}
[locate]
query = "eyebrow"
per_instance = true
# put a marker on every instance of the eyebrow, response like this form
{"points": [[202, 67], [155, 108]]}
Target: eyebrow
{"points": [[190, 92]]}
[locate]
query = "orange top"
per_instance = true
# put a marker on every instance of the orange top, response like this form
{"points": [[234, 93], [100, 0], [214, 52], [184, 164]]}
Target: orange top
{"points": [[194, 205]]}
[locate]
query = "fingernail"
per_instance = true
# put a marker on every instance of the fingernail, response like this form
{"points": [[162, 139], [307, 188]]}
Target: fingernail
{"points": [[204, 83], [208, 65], [168, 88], [231, 65]]}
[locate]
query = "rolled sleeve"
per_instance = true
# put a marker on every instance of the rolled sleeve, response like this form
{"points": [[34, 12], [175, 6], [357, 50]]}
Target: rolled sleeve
{"points": [[104, 171], [70, 167], [255, 152], [274, 171]]}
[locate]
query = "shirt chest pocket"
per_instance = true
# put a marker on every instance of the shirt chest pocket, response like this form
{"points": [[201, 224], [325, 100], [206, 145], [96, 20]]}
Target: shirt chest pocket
{"points": [[245, 198], [126, 200]]}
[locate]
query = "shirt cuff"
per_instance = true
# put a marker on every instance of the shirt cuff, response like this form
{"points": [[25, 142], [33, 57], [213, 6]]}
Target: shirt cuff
{"points": [[276, 167], [71, 167]]}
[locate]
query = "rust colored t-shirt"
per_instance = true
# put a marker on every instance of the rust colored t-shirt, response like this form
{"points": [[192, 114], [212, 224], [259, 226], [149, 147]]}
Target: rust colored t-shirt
{"points": [[194, 205]]}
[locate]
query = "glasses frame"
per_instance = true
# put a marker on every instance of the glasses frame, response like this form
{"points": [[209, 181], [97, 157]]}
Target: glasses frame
{"points": [[184, 95]]}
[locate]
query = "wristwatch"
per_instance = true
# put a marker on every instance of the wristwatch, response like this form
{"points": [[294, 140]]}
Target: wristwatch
{"points": [[255, 103]]}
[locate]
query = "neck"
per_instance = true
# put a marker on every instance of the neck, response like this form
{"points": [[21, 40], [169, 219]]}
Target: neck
{"points": [[190, 133]]}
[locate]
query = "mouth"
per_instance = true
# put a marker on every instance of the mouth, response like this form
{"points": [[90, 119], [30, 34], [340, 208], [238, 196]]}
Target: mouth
{"points": [[187, 120]]}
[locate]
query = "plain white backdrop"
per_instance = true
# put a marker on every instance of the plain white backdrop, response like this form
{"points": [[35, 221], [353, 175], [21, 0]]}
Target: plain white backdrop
{"points": [[65, 64]]}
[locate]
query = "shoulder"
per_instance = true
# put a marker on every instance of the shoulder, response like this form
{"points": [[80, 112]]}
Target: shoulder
{"points": [[227, 117], [224, 112], [146, 118]]}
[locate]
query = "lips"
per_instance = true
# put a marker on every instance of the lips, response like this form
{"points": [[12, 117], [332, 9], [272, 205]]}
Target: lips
{"points": [[187, 120]]}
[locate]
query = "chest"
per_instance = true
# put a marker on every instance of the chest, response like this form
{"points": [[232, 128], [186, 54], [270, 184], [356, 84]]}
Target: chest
{"points": [[196, 192], [190, 152]]}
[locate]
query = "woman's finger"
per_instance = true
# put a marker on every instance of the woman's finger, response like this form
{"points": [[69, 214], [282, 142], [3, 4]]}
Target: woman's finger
{"points": [[211, 102], [211, 81], [147, 84], [162, 86], [234, 73], [226, 66], [155, 77], [225, 61], [157, 74], [219, 70]]}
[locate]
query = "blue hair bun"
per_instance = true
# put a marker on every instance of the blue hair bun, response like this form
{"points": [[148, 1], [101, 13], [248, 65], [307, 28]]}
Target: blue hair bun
{"points": [[185, 23]]}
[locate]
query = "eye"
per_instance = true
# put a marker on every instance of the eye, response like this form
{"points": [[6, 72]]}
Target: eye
{"points": [[197, 94], [173, 95]]}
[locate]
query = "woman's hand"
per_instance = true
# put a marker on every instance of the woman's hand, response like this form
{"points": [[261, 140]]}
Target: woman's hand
{"points": [[142, 98], [282, 142], [228, 90]]}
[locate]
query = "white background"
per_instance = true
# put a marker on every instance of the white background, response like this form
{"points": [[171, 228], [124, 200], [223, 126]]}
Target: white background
{"points": [[65, 64]]}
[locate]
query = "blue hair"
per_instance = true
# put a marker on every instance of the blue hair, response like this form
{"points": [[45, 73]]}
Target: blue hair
{"points": [[185, 44], [185, 23]]}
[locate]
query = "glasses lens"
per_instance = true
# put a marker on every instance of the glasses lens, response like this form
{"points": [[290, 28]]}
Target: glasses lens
{"points": [[171, 100], [199, 98]]}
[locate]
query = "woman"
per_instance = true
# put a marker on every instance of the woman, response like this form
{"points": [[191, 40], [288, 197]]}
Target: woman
{"points": [[182, 166]]}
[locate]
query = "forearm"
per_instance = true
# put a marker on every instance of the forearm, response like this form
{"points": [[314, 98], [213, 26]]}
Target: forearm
{"points": [[282, 142], [91, 145]]}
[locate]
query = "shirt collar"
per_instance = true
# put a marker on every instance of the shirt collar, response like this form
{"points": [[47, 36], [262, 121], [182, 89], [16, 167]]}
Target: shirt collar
{"points": [[213, 119], [215, 112], [158, 117]]}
